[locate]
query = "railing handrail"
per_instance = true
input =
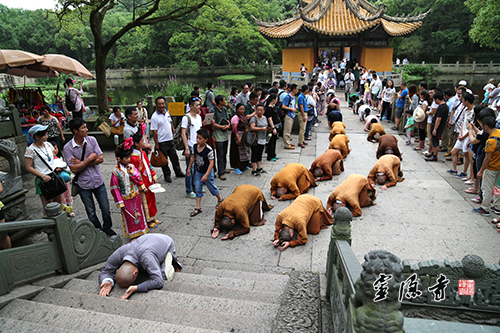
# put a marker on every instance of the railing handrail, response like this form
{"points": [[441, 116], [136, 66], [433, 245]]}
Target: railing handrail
{"points": [[31, 224]]}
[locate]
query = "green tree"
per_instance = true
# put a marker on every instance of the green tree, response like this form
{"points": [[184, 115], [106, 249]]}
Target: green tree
{"points": [[486, 26]]}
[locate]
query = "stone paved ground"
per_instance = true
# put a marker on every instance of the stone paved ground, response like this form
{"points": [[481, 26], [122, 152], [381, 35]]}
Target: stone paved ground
{"points": [[428, 216]]}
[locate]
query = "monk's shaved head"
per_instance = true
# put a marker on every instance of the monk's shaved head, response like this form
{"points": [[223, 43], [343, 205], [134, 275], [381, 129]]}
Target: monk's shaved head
{"points": [[226, 223], [381, 179], [377, 136], [318, 172], [389, 151], [337, 205], [126, 274], [281, 191], [286, 234]]}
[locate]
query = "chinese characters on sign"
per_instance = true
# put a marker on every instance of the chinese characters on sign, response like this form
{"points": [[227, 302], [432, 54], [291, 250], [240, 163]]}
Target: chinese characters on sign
{"points": [[410, 285]]}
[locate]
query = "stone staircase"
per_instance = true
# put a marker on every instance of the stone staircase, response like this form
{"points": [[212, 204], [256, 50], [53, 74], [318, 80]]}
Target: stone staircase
{"points": [[197, 300]]}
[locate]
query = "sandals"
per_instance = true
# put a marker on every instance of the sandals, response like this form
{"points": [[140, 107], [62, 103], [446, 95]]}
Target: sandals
{"points": [[417, 148], [195, 212], [152, 225], [471, 191], [496, 220], [218, 203]]}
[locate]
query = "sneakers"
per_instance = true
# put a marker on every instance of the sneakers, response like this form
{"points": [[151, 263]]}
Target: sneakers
{"points": [[255, 173], [222, 177], [394, 128], [468, 182], [447, 154], [237, 171], [452, 171], [384, 118], [495, 210], [426, 153], [461, 175], [261, 170], [481, 211], [191, 195], [477, 200], [408, 143], [169, 268], [431, 158]]}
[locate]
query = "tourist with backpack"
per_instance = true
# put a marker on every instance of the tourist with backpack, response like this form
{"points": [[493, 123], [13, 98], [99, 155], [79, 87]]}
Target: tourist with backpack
{"points": [[74, 102], [291, 110]]}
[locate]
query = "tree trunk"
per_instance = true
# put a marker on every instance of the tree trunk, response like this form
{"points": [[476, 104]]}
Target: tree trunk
{"points": [[101, 53]]}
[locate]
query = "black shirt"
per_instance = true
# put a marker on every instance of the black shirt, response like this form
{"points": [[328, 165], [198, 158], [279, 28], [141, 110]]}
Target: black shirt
{"points": [[441, 112], [272, 113]]}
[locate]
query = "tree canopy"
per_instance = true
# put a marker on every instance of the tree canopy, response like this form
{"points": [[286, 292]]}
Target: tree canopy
{"points": [[486, 25]]}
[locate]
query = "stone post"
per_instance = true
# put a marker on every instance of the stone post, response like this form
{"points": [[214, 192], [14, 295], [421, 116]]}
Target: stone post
{"points": [[151, 105], [342, 227]]}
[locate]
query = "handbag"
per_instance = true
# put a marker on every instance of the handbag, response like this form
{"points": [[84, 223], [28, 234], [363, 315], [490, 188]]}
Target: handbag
{"points": [[54, 187], [250, 137], [158, 159], [74, 187]]}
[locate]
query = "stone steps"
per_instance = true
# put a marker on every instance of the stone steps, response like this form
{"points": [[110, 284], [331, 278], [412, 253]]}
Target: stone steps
{"points": [[78, 320], [8, 325]]}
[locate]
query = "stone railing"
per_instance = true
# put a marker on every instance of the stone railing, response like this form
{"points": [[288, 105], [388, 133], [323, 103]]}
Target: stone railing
{"points": [[385, 295], [458, 67], [71, 246]]}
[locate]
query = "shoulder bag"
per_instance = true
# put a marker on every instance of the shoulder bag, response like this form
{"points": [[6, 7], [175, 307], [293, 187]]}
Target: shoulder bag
{"points": [[74, 187], [250, 136], [54, 187]]}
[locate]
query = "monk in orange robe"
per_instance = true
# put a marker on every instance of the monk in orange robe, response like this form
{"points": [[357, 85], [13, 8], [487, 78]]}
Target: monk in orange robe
{"points": [[388, 144], [338, 127], [340, 142], [306, 215], [387, 167], [328, 164], [354, 193], [244, 206], [375, 128], [291, 181]]}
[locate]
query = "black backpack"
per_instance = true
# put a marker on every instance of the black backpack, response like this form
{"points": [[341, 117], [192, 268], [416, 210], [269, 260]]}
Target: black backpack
{"points": [[278, 107], [70, 105]]}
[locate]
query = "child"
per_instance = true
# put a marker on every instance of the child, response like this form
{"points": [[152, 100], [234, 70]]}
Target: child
{"points": [[125, 184], [367, 97], [65, 174], [410, 126], [203, 158], [141, 162]]}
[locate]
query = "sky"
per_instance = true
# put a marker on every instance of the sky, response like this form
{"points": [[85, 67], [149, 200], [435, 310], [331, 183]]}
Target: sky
{"points": [[29, 4]]}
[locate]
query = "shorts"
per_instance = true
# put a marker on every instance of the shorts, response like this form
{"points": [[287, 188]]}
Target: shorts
{"points": [[399, 112], [374, 97], [435, 139], [463, 145]]}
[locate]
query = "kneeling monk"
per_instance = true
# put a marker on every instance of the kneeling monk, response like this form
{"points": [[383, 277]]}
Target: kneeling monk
{"points": [[354, 193], [338, 127], [340, 142], [306, 215], [387, 167], [291, 181], [244, 206], [328, 164], [153, 253], [376, 131], [388, 144]]}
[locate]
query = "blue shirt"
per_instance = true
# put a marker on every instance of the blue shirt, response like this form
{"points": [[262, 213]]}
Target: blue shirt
{"points": [[450, 103], [400, 103], [302, 100], [290, 102]]}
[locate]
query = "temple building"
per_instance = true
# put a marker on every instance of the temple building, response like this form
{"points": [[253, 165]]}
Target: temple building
{"points": [[355, 29]]}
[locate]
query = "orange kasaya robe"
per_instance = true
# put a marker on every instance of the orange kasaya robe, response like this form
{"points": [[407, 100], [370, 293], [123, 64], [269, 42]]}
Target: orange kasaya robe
{"points": [[390, 166], [296, 178], [240, 205], [306, 215], [388, 141], [327, 162], [374, 129], [338, 127], [353, 192], [341, 142]]}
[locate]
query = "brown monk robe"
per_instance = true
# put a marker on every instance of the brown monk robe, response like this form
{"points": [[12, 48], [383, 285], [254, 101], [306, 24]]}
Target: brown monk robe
{"points": [[341, 142], [330, 162], [390, 166], [388, 142], [243, 205], [296, 178], [338, 127], [374, 129], [355, 192], [306, 215]]}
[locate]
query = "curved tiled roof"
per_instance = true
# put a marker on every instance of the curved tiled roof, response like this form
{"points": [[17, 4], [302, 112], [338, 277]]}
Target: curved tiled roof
{"points": [[340, 18]]}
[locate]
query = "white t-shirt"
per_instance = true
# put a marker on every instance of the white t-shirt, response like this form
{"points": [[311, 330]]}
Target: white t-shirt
{"points": [[387, 94], [162, 123], [46, 152], [431, 116], [115, 119], [375, 86], [195, 126]]}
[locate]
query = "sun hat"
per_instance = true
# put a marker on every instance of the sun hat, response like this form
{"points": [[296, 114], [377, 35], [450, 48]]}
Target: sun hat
{"points": [[37, 128], [462, 83]]}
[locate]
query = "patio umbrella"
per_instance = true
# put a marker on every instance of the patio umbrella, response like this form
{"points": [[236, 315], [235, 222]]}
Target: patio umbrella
{"points": [[65, 64], [36, 70], [16, 58]]}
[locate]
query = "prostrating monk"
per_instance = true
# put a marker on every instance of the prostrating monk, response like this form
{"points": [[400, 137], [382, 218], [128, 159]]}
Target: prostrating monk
{"points": [[328, 164], [245, 207], [355, 192], [388, 144], [376, 131], [153, 253], [291, 181], [340, 142], [306, 215], [387, 167], [338, 127]]}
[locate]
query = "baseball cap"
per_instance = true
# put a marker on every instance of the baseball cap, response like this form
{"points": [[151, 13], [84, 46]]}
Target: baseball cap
{"points": [[37, 128], [462, 83]]}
